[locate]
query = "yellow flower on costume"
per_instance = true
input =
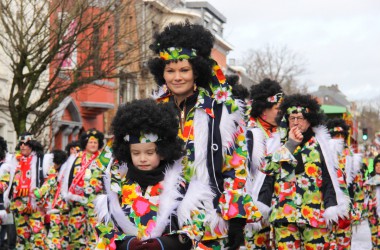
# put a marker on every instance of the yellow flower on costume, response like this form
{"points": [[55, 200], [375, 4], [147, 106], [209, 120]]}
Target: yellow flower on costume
{"points": [[311, 169], [129, 194], [307, 212]]}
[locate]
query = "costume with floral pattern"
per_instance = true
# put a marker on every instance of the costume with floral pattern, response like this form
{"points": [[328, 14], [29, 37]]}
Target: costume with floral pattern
{"points": [[131, 211], [374, 209], [82, 217], [49, 194], [262, 140], [28, 217], [228, 180], [304, 190]]}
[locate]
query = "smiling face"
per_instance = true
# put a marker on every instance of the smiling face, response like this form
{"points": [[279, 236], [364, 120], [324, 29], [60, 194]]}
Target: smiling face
{"points": [[92, 145], [25, 149], [297, 120], [179, 78], [144, 156]]}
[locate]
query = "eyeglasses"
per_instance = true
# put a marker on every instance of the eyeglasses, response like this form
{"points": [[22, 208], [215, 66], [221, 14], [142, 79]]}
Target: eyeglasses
{"points": [[294, 118]]}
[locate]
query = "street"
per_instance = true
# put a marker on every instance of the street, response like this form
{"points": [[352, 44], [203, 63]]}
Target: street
{"points": [[361, 239]]}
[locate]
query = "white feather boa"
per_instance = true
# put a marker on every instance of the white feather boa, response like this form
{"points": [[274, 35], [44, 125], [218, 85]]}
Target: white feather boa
{"points": [[342, 208]]}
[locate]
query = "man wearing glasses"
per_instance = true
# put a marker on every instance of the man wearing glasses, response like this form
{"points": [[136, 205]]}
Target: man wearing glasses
{"points": [[308, 193]]}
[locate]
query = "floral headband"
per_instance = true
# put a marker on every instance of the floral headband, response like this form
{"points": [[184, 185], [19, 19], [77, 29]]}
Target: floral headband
{"points": [[337, 129], [25, 138], [297, 109], [143, 138], [174, 53], [277, 98]]}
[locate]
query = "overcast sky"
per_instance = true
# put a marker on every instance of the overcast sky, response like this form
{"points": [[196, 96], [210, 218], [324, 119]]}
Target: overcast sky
{"points": [[339, 39]]}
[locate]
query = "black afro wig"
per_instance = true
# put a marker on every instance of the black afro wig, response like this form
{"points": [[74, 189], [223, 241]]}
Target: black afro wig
{"points": [[337, 122], [147, 116], [3, 148], [184, 35], [259, 94], [72, 144], [87, 134], [59, 156], [238, 91], [314, 116], [33, 144]]}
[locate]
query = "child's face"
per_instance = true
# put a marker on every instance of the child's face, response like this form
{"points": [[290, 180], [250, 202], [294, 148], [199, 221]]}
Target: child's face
{"points": [[144, 156], [377, 167]]}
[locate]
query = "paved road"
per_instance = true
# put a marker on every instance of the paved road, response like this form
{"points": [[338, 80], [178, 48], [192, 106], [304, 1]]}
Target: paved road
{"points": [[361, 238]]}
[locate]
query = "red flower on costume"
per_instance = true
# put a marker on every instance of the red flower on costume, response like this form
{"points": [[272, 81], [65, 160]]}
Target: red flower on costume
{"points": [[141, 206]]}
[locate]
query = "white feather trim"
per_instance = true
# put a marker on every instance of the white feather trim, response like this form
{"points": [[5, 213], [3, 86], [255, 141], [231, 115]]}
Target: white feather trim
{"points": [[356, 166], [65, 173], [342, 209], [169, 198], [197, 196], [228, 127], [118, 215], [258, 149], [101, 208], [200, 145], [47, 163]]}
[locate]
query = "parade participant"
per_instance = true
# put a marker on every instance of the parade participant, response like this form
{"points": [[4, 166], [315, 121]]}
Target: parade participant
{"points": [[84, 181], [3, 213], [238, 90], [142, 203], [349, 169], [210, 124], [49, 194], [308, 196], [262, 139], [373, 184], [73, 148], [26, 172]]}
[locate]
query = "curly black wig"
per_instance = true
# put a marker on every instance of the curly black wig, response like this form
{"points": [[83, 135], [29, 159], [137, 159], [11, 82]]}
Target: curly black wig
{"points": [[59, 156], [238, 91], [314, 116], [337, 122], [147, 116], [33, 144], [184, 35], [259, 94], [87, 134], [3, 148], [70, 145]]}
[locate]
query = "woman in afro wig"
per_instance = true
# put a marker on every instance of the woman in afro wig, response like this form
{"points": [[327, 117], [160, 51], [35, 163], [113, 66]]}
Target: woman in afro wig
{"points": [[146, 142], [210, 121], [84, 182]]}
